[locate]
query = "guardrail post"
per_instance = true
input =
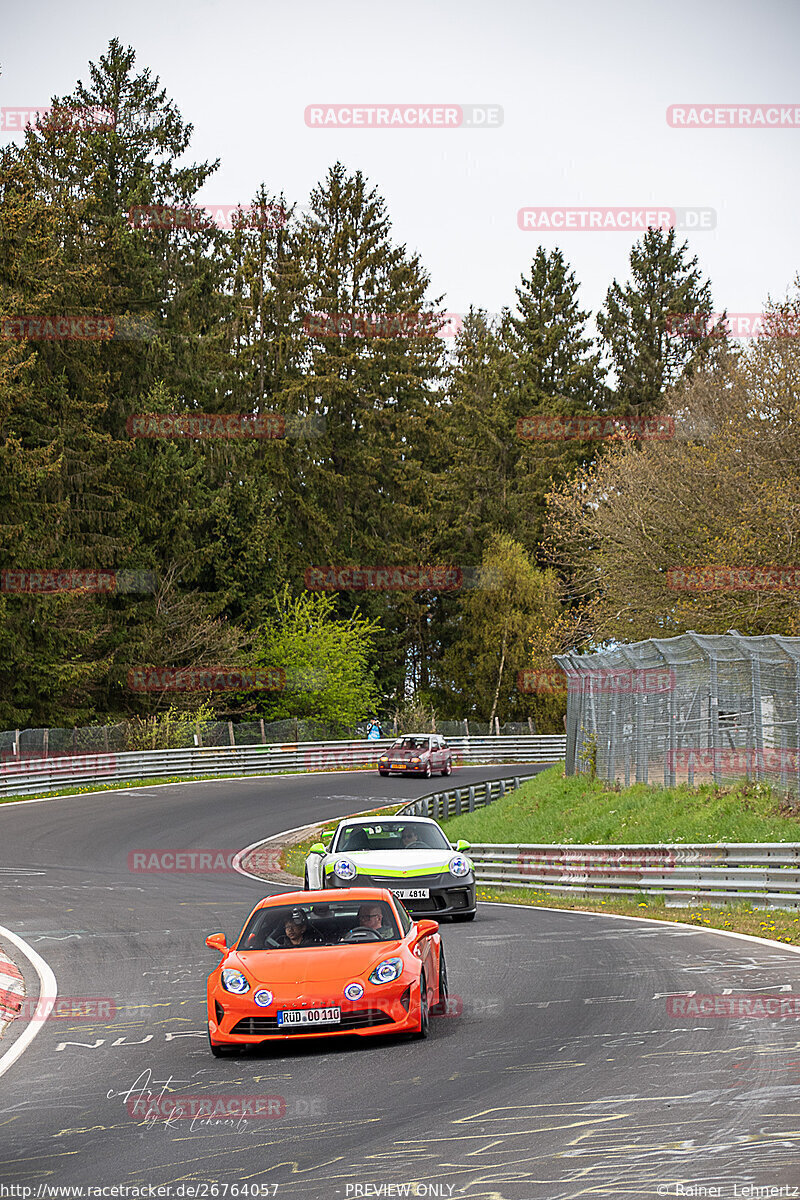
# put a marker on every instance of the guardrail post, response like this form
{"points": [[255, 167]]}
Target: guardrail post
{"points": [[471, 797], [502, 791], [458, 801]]}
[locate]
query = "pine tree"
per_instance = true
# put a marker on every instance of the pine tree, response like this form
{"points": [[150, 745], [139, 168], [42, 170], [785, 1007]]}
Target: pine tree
{"points": [[642, 322]]}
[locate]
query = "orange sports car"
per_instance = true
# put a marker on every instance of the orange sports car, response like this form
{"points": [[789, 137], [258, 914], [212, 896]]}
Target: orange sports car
{"points": [[312, 964]]}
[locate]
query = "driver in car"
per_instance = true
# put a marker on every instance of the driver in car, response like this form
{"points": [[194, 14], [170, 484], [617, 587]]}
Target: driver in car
{"points": [[409, 839], [370, 916]]}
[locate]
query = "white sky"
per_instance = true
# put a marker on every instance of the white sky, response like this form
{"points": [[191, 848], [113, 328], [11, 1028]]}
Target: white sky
{"points": [[584, 87]]}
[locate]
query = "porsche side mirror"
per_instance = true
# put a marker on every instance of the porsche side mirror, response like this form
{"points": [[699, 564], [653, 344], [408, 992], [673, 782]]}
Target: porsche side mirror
{"points": [[216, 941], [317, 848], [462, 845], [327, 834]]}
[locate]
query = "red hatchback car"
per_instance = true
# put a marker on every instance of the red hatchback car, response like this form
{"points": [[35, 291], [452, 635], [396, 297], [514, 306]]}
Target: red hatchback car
{"points": [[417, 754]]}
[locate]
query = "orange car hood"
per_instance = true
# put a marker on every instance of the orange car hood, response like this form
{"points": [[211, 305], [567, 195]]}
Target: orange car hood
{"points": [[311, 965]]}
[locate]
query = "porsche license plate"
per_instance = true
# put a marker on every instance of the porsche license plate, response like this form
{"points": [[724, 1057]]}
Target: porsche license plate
{"points": [[412, 893], [310, 1016]]}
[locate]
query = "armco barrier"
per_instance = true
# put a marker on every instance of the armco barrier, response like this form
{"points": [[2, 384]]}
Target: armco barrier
{"points": [[763, 874], [454, 801], [33, 776]]}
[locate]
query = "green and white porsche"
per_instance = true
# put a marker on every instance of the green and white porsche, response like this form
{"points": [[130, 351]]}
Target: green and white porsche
{"points": [[409, 855]]}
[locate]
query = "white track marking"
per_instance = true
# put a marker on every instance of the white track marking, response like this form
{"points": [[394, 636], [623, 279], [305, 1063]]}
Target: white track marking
{"points": [[47, 998]]}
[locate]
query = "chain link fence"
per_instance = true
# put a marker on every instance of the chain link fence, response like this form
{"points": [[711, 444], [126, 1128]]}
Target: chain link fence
{"points": [[127, 735], [690, 709]]}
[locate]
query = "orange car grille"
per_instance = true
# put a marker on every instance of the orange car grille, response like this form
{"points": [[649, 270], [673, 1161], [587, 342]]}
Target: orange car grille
{"points": [[350, 1020]]}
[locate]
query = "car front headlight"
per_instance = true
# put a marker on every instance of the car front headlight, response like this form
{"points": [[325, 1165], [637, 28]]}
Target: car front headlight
{"points": [[344, 869], [460, 866], [387, 971], [234, 981]]}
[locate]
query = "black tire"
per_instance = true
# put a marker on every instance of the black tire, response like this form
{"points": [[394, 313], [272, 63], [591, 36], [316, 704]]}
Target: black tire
{"points": [[221, 1051], [384, 773], [444, 991], [424, 1010], [428, 771], [447, 768]]}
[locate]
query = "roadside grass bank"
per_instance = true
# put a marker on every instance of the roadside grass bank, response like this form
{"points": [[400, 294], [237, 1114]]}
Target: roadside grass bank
{"points": [[780, 926], [557, 810]]}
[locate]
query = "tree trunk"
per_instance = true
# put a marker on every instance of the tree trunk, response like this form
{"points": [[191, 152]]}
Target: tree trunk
{"points": [[499, 680]]}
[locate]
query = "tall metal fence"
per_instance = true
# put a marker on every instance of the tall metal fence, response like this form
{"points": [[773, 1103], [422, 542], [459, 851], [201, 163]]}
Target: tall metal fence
{"points": [[694, 708], [130, 735]]}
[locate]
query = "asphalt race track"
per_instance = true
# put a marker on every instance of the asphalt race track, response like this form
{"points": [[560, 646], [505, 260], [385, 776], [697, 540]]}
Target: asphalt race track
{"points": [[563, 1075]]}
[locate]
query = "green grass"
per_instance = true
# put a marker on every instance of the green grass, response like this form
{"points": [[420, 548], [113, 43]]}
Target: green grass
{"points": [[556, 810]]}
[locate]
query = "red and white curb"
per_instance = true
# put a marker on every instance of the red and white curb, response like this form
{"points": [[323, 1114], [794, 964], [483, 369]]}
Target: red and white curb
{"points": [[12, 991]]}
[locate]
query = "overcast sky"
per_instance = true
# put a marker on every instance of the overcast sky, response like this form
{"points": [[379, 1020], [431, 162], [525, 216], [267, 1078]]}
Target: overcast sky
{"points": [[584, 87]]}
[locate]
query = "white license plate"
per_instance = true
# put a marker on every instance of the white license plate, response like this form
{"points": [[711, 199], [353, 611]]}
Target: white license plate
{"points": [[412, 893], [310, 1016]]}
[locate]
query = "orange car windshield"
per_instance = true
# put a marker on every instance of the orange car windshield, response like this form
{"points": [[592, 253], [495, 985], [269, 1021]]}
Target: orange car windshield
{"points": [[308, 926]]}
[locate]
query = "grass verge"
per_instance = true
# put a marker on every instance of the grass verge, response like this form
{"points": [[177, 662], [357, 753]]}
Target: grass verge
{"points": [[558, 810]]}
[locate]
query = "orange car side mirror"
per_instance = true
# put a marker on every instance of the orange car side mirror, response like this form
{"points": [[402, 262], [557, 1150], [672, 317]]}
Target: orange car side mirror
{"points": [[425, 929], [216, 941]]}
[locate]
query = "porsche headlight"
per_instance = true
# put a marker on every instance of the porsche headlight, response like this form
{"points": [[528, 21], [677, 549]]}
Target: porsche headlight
{"points": [[344, 869], [460, 866], [234, 981], [387, 971]]}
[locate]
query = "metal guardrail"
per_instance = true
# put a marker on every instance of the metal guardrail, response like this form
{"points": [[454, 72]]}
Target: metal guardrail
{"points": [[764, 874], [27, 777], [454, 801]]}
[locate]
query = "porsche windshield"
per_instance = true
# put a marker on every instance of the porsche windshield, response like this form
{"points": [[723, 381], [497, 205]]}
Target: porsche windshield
{"points": [[334, 923], [391, 835]]}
